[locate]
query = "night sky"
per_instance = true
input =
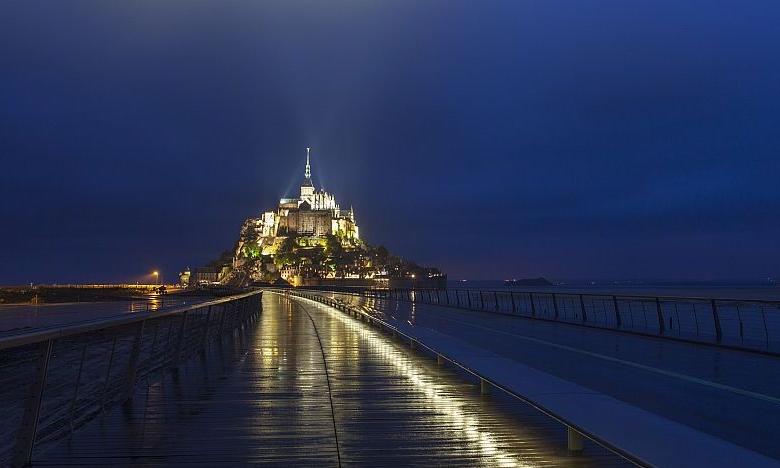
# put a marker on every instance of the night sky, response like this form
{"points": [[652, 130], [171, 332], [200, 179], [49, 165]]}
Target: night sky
{"points": [[570, 139]]}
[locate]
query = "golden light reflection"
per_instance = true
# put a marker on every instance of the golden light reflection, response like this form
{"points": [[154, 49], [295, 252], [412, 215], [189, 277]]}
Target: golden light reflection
{"points": [[447, 407]]}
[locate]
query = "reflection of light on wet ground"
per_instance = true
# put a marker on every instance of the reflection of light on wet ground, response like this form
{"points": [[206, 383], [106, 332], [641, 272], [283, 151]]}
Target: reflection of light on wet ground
{"points": [[449, 409], [287, 379], [261, 397]]}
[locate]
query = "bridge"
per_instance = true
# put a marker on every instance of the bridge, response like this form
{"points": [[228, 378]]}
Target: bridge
{"points": [[401, 377]]}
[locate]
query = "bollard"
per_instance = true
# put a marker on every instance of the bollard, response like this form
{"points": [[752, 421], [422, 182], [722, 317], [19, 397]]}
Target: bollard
{"points": [[574, 439]]}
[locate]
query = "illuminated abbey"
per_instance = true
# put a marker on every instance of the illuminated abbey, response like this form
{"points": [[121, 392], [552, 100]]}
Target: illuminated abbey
{"points": [[313, 213], [291, 241], [309, 240]]}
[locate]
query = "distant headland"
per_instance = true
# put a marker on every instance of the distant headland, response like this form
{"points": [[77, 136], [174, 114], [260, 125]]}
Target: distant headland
{"points": [[529, 282]]}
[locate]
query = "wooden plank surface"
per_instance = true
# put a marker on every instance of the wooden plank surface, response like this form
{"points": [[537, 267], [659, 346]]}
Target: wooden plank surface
{"points": [[264, 399]]}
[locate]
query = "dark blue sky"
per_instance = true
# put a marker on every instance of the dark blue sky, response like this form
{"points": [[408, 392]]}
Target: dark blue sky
{"points": [[598, 139]]}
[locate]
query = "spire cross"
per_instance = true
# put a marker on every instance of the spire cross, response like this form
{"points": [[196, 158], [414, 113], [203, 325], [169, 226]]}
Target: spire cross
{"points": [[308, 167]]}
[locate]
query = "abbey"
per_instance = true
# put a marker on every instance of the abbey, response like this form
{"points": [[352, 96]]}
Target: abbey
{"points": [[309, 240], [294, 239], [313, 213]]}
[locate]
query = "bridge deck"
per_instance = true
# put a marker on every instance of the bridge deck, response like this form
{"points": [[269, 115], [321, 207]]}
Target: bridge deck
{"points": [[267, 400], [732, 395]]}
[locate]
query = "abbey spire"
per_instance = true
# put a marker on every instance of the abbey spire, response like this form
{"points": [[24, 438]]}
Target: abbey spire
{"points": [[308, 166], [307, 187]]}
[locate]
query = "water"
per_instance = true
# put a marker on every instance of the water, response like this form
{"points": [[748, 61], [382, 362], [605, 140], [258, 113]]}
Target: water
{"points": [[23, 318]]}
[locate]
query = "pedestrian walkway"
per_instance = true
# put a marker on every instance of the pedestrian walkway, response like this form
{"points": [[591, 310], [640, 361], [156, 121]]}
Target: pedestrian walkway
{"points": [[311, 386]]}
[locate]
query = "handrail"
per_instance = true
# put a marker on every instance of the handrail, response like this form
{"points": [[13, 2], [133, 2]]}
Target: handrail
{"points": [[740, 324], [610, 294], [54, 380], [555, 291], [43, 334]]}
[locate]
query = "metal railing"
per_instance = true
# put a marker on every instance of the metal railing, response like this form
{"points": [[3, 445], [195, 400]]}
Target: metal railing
{"points": [[54, 380], [737, 323]]}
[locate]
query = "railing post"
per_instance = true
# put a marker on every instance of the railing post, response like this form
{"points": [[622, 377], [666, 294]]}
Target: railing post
{"points": [[132, 365], [618, 320], [180, 341], [205, 341], [468, 296], [514, 306], [661, 325], [222, 320], [582, 309], [481, 301], [716, 321], [495, 296], [236, 316], [107, 380], [555, 305], [76, 388], [244, 312], [574, 440], [25, 440], [533, 305]]}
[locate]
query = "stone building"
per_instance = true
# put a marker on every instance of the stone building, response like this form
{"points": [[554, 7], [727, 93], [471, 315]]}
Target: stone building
{"points": [[313, 213]]}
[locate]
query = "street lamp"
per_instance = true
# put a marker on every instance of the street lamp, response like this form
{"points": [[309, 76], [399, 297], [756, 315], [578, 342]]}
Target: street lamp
{"points": [[156, 277]]}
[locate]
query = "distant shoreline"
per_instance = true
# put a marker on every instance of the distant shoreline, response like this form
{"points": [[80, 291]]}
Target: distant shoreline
{"points": [[65, 294]]}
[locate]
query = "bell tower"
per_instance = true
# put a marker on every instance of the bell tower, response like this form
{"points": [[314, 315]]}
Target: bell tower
{"points": [[307, 188]]}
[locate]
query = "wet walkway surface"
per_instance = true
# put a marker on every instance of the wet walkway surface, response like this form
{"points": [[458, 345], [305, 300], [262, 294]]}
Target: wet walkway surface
{"points": [[275, 396], [733, 395]]}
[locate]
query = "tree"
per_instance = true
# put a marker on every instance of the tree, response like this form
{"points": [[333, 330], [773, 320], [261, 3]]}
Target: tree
{"points": [[287, 253], [333, 246]]}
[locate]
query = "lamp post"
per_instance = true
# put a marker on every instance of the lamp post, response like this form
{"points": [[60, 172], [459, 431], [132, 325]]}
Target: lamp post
{"points": [[156, 277]]}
